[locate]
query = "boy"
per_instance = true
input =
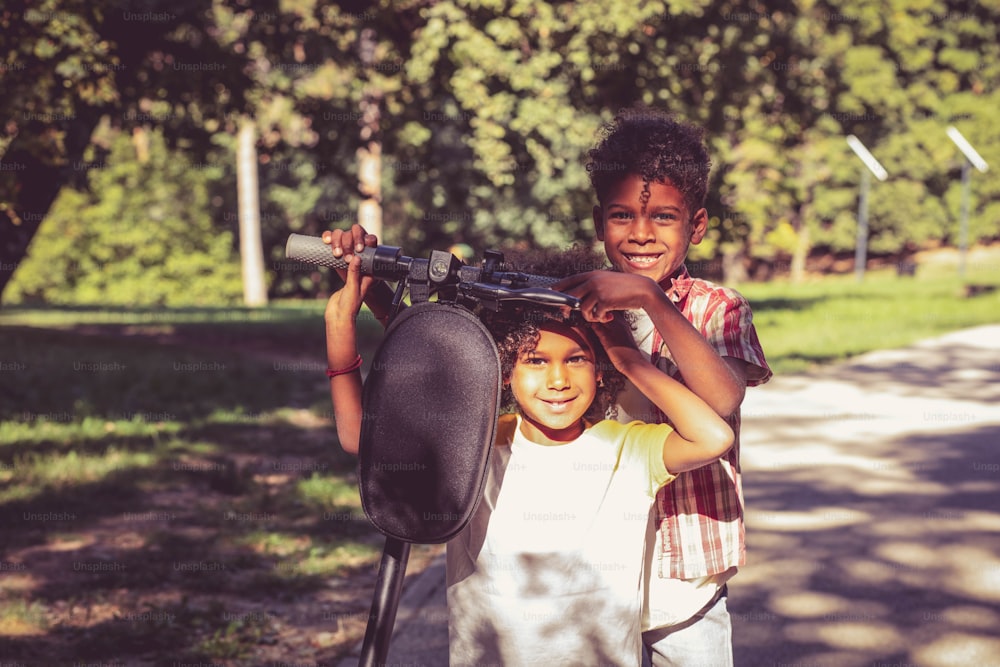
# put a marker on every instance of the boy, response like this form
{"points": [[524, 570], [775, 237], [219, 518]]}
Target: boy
{"points": [[650, 175]]}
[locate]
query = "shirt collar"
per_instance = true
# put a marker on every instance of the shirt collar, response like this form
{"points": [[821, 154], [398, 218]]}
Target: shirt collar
{"points": [[680, 285]]}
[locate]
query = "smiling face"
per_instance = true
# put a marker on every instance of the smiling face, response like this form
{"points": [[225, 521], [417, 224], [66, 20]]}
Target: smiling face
{"points": [[648, 238], [554, 385]]}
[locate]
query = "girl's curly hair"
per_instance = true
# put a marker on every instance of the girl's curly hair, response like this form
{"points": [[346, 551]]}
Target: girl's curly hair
{"points": [[655, 146], [517, 330]]}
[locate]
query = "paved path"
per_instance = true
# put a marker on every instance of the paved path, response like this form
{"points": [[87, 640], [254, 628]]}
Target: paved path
{"points": [[873, 517]]}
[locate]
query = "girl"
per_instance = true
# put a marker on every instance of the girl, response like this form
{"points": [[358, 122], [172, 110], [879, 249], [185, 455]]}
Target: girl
{"points": [[548, 570]]}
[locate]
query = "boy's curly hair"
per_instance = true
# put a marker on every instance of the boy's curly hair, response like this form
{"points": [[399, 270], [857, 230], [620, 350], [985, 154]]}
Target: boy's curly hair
{"points": [[655, 146], [517, 330]]}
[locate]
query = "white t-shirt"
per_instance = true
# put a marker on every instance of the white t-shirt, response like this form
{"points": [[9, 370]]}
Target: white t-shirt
{"points": [[548, 571]]}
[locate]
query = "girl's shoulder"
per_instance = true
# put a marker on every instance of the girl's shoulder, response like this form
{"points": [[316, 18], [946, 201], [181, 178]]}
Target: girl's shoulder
{"points": [[607, 427], [611, 430], [506, 427]]}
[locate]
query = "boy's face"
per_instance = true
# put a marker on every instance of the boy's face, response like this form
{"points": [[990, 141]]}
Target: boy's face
{"points": [[650, 240], [554, 385]]}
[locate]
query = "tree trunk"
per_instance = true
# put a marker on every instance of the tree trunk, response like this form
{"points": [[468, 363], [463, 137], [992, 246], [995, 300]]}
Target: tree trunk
{"points": [[733, 270], [140, 140], [801, 253], [370, 153], [251, 248]]}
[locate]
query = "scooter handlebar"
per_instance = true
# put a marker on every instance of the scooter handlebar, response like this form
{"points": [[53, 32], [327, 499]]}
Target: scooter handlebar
{"points": [[388, 263]]}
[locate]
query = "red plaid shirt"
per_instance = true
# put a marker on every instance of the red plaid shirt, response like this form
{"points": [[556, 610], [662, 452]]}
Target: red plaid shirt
{"points": [[700, 514]]}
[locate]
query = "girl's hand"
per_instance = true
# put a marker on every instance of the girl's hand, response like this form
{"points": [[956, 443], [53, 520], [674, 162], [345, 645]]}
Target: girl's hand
{"points": [[344, 305], [346, 243]]}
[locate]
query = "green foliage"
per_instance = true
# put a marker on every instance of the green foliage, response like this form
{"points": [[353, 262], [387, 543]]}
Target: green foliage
{"points": [[141, 236], [488, 108]]}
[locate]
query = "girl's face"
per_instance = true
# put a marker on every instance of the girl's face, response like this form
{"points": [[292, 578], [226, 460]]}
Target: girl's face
{"points": [[554, 385]]}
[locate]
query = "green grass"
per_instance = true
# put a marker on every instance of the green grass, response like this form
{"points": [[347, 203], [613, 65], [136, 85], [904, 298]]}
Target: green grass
{"points": [[62, 365], [834, 318], [279, 316]]}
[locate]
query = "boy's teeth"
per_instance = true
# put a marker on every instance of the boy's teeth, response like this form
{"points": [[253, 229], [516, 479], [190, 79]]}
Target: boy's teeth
{"points": [[642, 259]]}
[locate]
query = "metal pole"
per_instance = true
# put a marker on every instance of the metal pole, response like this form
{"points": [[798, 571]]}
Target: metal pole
{"points": [[963, 234], [861, 249], [388, 589], [972, 159]]}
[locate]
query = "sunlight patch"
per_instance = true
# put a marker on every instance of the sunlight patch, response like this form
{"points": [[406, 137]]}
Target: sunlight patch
{"points": [[864, 635], [820, 518], [807, 604], [19, 618], [911, 554], [978, 572], [875, 572], [969, 616], [959, 648], [790, 571]]}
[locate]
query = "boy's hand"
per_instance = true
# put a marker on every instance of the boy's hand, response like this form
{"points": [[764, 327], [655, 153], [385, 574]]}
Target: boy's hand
{"points": [[601, 292], [346, 243], [616, 338]]}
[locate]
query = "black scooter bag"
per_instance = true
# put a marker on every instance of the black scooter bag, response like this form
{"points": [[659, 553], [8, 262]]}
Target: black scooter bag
{"points": [[431, 401]]}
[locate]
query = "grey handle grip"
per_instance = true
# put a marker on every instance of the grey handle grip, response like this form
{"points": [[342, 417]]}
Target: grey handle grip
{"points": [[311, 249]]}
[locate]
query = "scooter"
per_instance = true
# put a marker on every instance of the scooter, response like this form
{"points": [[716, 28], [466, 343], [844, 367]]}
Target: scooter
{"points": [[431, 401]]}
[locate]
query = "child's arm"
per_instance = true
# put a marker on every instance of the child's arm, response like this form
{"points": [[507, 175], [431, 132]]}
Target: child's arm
{"points": [[700, 435], [719, 382], [342, 353]]}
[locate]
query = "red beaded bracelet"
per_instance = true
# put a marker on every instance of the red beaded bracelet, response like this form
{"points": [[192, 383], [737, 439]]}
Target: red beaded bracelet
{"points": [[355, 365]]}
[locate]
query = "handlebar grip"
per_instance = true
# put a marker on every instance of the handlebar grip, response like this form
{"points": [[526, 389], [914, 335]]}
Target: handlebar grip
{"points": [[311, 249]]}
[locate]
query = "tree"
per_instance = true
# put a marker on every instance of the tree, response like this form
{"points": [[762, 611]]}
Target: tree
{"points": [[487, 107], [132, 245], [67, 65], [895, 76]]}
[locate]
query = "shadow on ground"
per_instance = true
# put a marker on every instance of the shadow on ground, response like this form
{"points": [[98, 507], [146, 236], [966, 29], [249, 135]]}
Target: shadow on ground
{"points": [[873, 496]]}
